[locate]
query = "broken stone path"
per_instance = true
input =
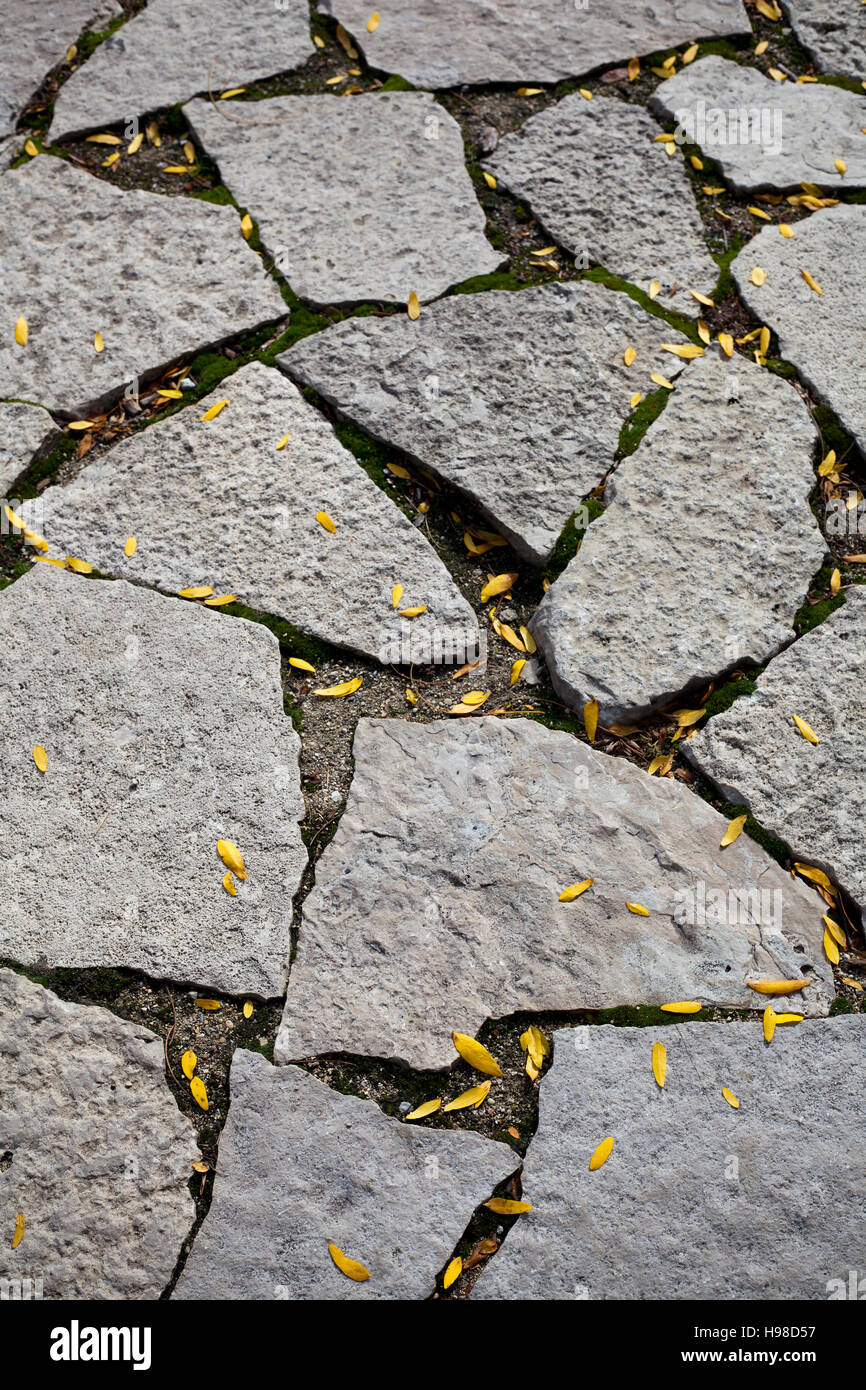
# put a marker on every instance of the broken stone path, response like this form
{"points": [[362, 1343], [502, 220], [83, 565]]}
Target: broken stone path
{"points": [[810, 795], [215, 502], [96, 1153], [834, 36], [697, 1200], [704, 555], [433, 45], [24, 429], [156, 277], [37, 38], [164, 731], [390, 212], [176, 48], [517, 398], [436, 905], [302, 1167]]}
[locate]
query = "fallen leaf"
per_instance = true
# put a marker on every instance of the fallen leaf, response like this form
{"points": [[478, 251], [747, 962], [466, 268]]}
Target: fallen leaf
{"points": [[301, 665], [214, 410], [473, 1097], [246, 226], [421, 1111], [684, 1006], [836, 931], [769, 1022], [601, 1155], [197, 591], [351, 1268], [18, 1233], [733, 832], [777, 986], [638, 909], [232, 858], [220, 600], [660, 1063], [730, 1098], [412, 612], [79, 566], [852, 984], [684, 350], [505, 1206], [759, 212], [661, 381], [103, 139], [40, 757], [703, 298], [811, 282], [528, 640], [476, 1054], [500, 584], [199, 1092], [344, 688], [690, 54], [805, 729], [325, 521], [726, 343], [569, 894], [453, 1272], [590, 719], [229, 885], [209, 1005], [831, 950], [413, 308], [188, 1064]]}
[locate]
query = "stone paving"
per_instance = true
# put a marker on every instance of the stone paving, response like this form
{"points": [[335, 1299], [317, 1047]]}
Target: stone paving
{"points": [[431, 643]]}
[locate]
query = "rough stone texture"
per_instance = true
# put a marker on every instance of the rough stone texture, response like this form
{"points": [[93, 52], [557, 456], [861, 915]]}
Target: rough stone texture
{"points": [[214, 502], [824, 335], [834, 35], [517, 398], [796, 130], [97, 1154], [598, 182], [704, 555], [479, 41], [164, 728], [23, 430], [668, 1216], [36, 37], [156, 277], [436, 905], [390, 211], [167, 53], [810, 795], [301, 1166]]}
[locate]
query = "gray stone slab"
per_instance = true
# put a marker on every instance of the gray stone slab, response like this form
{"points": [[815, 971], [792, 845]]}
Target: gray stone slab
{"points": [[824, 335], [36, 39], [302, 1167], [810, 795], [698, 1200], [176, 48], [767, 134], [597, 181], [214, 502], [834, 36], [164, 731], [356, 198], [516, 398], [96, 1153], [23, 430], [157, 277], [436, 905], [478, 41], [704, 555]]}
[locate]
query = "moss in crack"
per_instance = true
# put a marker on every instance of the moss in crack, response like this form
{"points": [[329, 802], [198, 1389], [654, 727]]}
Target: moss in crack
{"points": [[833, 436], [478, 284], [645, 1016], [732, 690], [688, 327], [841, 1005], [815, 611], [397, 84], [99, 985], [777, 849], [571, 536], [635, 427]]}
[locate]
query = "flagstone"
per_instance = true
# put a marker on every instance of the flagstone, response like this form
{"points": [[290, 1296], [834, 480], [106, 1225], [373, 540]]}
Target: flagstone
{"points": [[436, 905], [37, 37], [216, 502], [823, 335], [176, 48], [516, 398], [705, 552], [599, 183], [23, 430], [366, 198], [302, 1167], [478, 41], [164, 732], [157, 277], [810, 795], [95, 1153], [833, 35], [767, 134]]}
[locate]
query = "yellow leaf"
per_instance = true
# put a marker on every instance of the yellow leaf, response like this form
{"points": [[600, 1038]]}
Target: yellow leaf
{"points": [[840, 166], [80, 566], [528, 639], [152, 133], [835, 582], [473, 1097], [702, 298], [764, 341], [684, 1006], [762, 47], [654, 289], [229, 885], [805, 729], [633, 69], [574, 890], [590, 719], [661, 763], [188, 1064], [199, 1092], [421, 1111], [828, 464], [214, 410], [660, 1063], [246, 226], [601, 1155], [104, 139], [476, 697], [232, 858], [453, 1272], [21, 331], [585, 93], [661, 381], [232, 92], [413, 308], [220, 600], [726, 343], [638, 909], [135, 143], [516, 669], [372, 26], [504, 1206], [811, 282], [40, 757], [351, 1268], [344, 688], [248, 1009], [690, 54], [170, 395], [177, 169], [831, 949], [530, 91], [411, 696], [711, 193], [733, 832], [30, 148], [776, 74], [209, 1005], [18, 1233], [730, 1098], [836, 931], [412, 612], [628, 356], [476, 1054], [684, 350], [489, 180], [788, 1018], [197, 591], [300, 665], [759, 212], [500, 584], [695, 162], [635, 400], [769, 1021], [758, 276], [852, 984], [98, 343], [777, 986], [785, 229], [282, 444], [130, 547], [111, 160], [325, 521]]}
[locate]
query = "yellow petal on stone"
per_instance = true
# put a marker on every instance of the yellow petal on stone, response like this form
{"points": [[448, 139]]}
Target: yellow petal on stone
{"points": [[628, 356], [220, 600], [30, 148], [473, 1097], [690, 54], [80, 425], [22, 332], [590, 719], [282, 444], [764, 341], [422, 1111], [776, 987], [574, 890], [654, 289], [325, 521], [476, 1054], [683, 1006], [685, 350], [660, 380], [351, 1268], [660, 1063], [130, 547], [638, 909], [188, 1064], [769, 1022], [585, 93], [210, 1006], [18, 1232], [199, 1092], [413, 308], [506, 1206], [453, 1272], [840, 166], [373, 22], [516, 668], [601, 1155], [40, 757], [499, 584], [635, 400], [726, 343], [246, 226], [197, 591], [336, 692], [811, 282], [704, 332], [786, 230], [730, 1098], [805, 729], [777, 74], [300, 664], [831, 950], [758, 276], [733, 832], [232, 858], [214, 410], [836, 931], [229, 885], [412, 612], [788, 1018], [703, 298]]}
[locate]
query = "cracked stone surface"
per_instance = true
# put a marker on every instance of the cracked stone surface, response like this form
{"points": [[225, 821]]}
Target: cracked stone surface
{"points": [[810, 795], [834, 36], [479, 41], [36, 39], [796, 130], [824, 335], [156, 277], [168, 53], [302, 1166], [704, 555], [516, 398], [669, 1215], [214, 502], [23, 430], [594, 176], [390, 212], [164, 730], [436, 905], [98, 1153]]}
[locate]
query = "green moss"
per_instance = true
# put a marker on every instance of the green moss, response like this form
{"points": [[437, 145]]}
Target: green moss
{"points": [[397, 84], [724, 697], [100, 984], [218, 194], [636, 425], [599, 276], [841, 1005], [265, 1049], [833, 435], [477, 284], [776, 848], [570, 538], [644, 1016], [811, 615]]}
